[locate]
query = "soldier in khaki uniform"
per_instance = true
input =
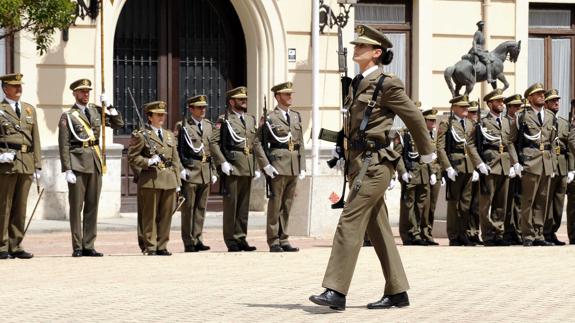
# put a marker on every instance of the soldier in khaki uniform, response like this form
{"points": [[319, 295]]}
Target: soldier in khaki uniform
{"points": [[473, 226], [283, 163], [563, 169], [511, 230], [495, 160], [454, 143], [194, 147], [571, 187], [154, 151], [430, 116], [78, 139], [235, 157], [376, 97], [20, 164], [533, 132], [416, 178]]}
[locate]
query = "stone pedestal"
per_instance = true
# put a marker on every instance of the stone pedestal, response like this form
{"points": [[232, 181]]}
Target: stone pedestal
{"points": [[54, 202]]}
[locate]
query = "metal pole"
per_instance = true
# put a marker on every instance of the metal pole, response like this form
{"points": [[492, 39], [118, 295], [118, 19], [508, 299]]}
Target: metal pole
{"points": [[315, 87]]}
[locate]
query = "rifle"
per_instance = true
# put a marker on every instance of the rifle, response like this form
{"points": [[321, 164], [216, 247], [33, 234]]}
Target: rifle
{"points": [[224, 150], [265, 147], [407, 162], [479, 145], [345, 84]]}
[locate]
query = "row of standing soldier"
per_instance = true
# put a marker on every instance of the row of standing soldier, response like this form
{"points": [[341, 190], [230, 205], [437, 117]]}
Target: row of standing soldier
{"points": [[505, 174], [163, 164]]}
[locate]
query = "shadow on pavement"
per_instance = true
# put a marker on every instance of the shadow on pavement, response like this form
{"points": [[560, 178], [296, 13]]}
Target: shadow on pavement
{"points": [[311, 309]]}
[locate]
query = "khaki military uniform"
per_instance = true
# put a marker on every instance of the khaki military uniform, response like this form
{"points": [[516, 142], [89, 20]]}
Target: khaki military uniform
{"points": [[511, 228], [238, 185], [194, 147], [427, 221], [499, 154], [365, 206], [414, 204], [537, 162], [288, 158], [562, 164], [459, 191], [571, 194], [82, 155], [157, 185], [20, 135]]}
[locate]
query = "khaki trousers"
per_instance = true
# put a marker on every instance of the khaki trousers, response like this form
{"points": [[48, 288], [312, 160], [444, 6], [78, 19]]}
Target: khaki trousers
{"points": [[84, 197], [194, 212], [279, 208], [14, 189]]}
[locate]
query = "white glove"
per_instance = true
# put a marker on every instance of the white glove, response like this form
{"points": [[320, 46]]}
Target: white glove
{"points": [[432, 179], [36, 175], [334, 153], [392, 184], [518, 169], [340, 164], [214, 179], [570, 177], [484, 169], [553, 175], [7, 157], [178, 189], [184, 174], [406, 177], [70, 177], [426, 159], [226, 168], [451, 173], [301, 174], [154, 160], [257, 174], [443, 181], [271, 171], [475, 176], [512, 173], [104, 100]]}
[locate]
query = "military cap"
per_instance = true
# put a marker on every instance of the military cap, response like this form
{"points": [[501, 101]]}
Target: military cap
{"points": [[286, 87], [155, 107], [552, 94], [534, 88], [494, 95], [12, 79], [514, 99], [370, 36], [81, 84], [241, 92], [462, 101], [429, 113], [198, 100], [473, 106]]}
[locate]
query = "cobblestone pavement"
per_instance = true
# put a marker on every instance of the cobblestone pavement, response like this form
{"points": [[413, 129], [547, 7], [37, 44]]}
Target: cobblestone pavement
{"points": [[447, 283]]}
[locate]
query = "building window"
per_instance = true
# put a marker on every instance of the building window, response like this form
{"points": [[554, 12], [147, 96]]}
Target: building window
{"points": [[551, 47]]}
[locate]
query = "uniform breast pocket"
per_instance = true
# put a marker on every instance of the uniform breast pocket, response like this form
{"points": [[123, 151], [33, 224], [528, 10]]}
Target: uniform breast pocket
{"points": [[78, 128]]}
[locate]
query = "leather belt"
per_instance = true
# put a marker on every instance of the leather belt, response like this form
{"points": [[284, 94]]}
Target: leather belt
{"points": [[366, 145], [250, 150], [85, 144], [538, 146], [21, 148], [201, 158], [277, 145], [457, 151], [495, 147]]}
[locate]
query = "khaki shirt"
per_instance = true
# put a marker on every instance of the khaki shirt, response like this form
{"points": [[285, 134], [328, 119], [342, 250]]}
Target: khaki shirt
{"points": [[391, 101], [29, 157], [155, 176], [286, 162], [461, 158], [73, 154], [199, 164]]}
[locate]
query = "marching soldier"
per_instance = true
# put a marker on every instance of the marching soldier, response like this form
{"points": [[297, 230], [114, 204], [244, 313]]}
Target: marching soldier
{"points": [[473, 226], [533, 132], [375, 97], [78, 141], [571, 186], [511, 230], [456, 136], [236, 136], [154, 151], [430, 116], [416, 181], [563, 169], [495, 160], [20, 164], [284, 164], [194, 147]]}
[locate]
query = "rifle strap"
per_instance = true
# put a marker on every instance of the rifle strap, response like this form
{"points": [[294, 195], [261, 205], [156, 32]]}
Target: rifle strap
{"points": [[370, 106]]}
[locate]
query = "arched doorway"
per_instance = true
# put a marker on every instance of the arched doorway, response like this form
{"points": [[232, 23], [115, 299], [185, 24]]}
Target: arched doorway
{"points": [[171, 50]]}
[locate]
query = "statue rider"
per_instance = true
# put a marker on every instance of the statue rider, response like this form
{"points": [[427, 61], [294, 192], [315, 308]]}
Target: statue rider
{"points": [[478, 49]]}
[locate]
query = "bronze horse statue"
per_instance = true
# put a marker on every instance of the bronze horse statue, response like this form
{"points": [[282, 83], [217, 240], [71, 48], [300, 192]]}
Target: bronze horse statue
{"points": [[469, 70]]}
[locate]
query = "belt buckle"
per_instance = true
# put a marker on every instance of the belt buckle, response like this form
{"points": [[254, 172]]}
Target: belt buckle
{"points": [[371, 103], [290, 145], [541, 146], [345, 144], [501, 148], [204, 157], [24, 148], [557, 150], [246, 149], [85, 144]]}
